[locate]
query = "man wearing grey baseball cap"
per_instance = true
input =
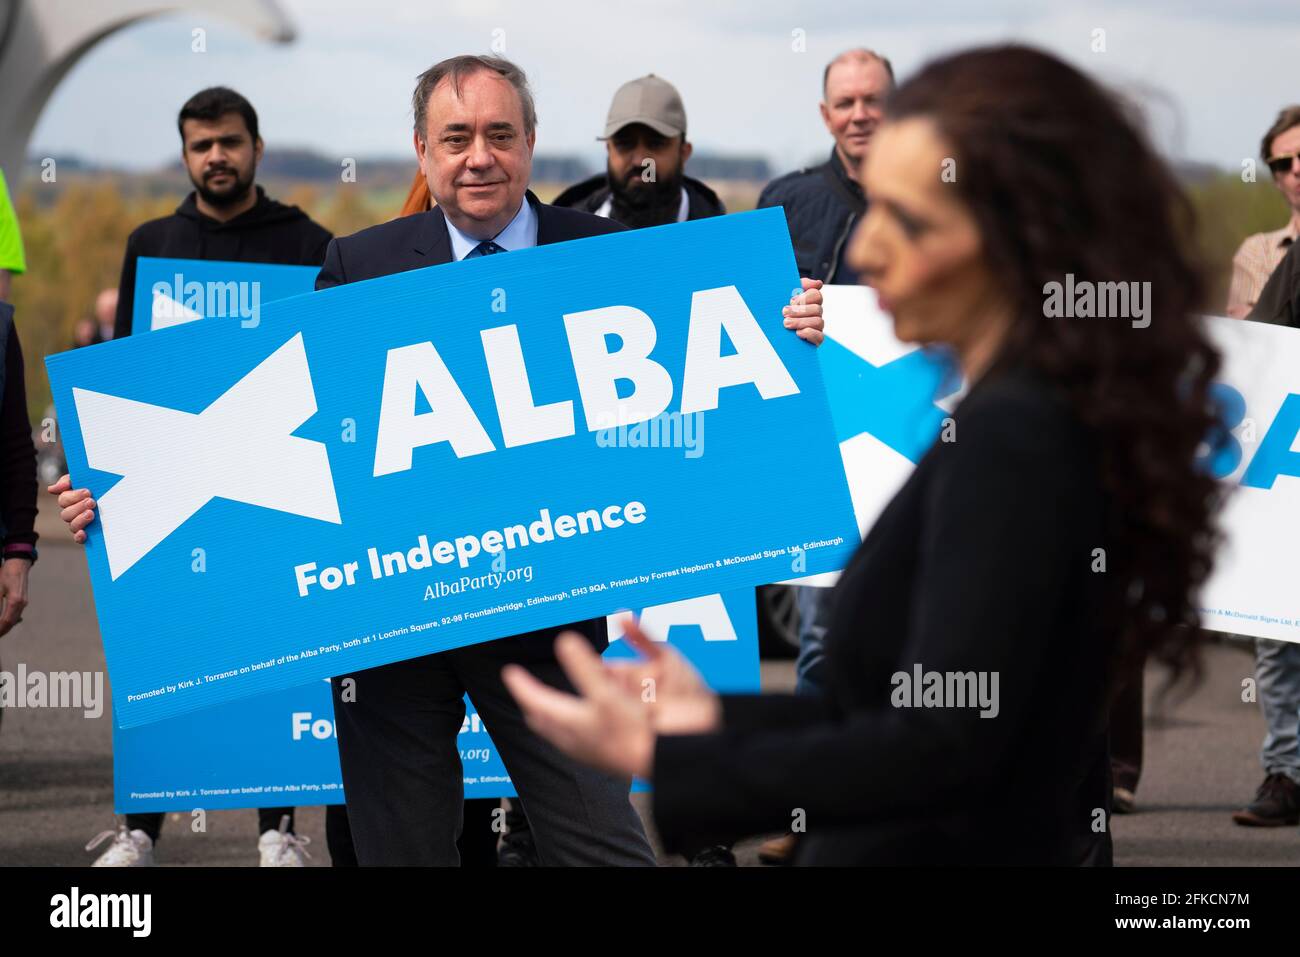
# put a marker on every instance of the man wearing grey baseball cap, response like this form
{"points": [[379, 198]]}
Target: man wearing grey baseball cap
{"points": [[645, 183]]}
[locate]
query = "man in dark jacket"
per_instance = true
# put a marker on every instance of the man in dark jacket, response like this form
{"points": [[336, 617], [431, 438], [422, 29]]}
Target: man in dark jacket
{"points": [[644, 184], [645, 181], [822, 203], [227, 216], [475, 128], [474, 131]]}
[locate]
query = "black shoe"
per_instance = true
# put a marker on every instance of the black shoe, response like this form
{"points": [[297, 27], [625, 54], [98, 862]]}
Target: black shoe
{"points": [[717, 856], [1276, 804], [1122, 801], [518, 850]]}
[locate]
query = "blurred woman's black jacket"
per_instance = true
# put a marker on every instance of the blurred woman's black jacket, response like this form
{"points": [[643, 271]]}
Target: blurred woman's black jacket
{"points": [[983, 562]]}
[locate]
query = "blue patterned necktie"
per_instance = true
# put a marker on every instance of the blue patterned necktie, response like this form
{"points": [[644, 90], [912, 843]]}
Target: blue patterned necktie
{"points": [[485, 248]]}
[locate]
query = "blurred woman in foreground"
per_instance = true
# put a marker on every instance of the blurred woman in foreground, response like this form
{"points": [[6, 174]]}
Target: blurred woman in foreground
{"points": [[1065, 532]]}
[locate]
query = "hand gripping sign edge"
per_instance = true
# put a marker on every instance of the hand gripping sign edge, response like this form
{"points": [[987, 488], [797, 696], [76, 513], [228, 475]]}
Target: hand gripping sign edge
{"points": [[124, 437]]}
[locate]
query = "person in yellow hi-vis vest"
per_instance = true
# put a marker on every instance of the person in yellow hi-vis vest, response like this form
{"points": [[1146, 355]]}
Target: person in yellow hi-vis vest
{"points": [[12, 262]]}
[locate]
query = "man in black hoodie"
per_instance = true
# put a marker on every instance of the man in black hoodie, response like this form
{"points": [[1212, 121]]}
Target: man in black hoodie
{"points": [[645, 181], [227, 216]]}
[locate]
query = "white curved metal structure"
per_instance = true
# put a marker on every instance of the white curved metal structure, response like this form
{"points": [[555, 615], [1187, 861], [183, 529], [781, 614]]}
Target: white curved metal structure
{"points": [[41, 40]]}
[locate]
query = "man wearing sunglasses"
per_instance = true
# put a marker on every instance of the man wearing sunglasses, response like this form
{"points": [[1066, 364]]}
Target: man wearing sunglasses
{"points": [[1266, 284], [1260, 254]]}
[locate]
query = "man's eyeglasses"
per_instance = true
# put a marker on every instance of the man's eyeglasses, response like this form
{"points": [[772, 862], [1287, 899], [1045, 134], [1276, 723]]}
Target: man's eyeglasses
{"points": [[1282, 164]]}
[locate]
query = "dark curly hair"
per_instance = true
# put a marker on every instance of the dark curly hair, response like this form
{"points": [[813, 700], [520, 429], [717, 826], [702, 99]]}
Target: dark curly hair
{"points": [[1061, 179]]}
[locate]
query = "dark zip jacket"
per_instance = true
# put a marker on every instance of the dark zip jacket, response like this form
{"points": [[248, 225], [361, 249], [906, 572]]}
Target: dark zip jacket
{"points": [[590, 195], [822, 204]]}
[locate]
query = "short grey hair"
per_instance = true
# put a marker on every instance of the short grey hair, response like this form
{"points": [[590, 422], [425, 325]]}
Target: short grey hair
{"points": [[861, 54], [456, 69]]}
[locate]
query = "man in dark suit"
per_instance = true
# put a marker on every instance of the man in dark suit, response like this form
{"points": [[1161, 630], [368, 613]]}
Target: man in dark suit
{"points": [[474, 135], [397, 724]]}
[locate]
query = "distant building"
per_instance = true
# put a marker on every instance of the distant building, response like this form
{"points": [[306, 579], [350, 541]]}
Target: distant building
{"points": [[715, 166], [559, 169]]}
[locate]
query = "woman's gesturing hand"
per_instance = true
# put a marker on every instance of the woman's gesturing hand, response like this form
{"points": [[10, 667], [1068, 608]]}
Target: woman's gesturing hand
{"points": [[620, 707]]}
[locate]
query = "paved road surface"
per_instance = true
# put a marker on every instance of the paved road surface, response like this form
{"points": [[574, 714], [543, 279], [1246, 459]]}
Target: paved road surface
{"points": [[56, 769]]}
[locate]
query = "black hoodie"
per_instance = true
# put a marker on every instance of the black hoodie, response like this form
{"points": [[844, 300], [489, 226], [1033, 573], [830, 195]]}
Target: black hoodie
{"points": [[269, 232], [590, 195]]}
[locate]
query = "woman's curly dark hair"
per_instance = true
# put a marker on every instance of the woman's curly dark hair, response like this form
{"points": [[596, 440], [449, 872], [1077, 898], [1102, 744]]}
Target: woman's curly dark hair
{"points": [[1061, 179]]}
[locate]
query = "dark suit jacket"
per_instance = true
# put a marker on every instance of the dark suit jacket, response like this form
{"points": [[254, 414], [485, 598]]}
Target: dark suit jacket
{"points": [[982, 563], [413, 242]]}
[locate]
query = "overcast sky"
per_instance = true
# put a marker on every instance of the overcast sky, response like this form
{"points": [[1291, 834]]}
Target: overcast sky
{"points": [[1211, 74]]}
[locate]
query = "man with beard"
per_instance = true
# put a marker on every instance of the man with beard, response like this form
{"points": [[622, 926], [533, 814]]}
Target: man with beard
{"points": [[227, 216], [645, 183]]}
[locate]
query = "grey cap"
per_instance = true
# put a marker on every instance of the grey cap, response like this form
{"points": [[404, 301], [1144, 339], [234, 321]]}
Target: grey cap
{"points": [[649, 100]]}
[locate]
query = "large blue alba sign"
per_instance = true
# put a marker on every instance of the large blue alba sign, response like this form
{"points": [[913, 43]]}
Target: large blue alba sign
{"points": [[446, 456]]}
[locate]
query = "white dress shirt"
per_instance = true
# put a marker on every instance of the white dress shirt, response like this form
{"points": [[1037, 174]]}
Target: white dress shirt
{"points": [[683, 208], [520, 233]]}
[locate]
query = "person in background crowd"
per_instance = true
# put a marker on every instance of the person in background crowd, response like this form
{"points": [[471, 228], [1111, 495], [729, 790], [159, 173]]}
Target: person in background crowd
{"points": [[980, 565], [105, 314], [822, 204], [417, 199], [12, 261], [1260, 254], [85, 333], [1279, 300], [17, 478], [1277, 663], [644, 184], [226, 217], [645, 181], [98, 328], [1127, 730], [17, 452]]}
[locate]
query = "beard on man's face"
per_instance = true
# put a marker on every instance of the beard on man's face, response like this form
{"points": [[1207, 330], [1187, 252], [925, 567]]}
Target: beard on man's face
{"points": [[635, 202], [234, 191]]}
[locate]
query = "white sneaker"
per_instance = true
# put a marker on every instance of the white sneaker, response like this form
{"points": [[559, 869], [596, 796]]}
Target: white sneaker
{"points": [[129, 848], [282, 849]]}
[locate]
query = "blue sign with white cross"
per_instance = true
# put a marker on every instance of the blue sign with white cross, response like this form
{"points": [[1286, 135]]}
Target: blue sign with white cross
{"points": [[446, 456]]}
